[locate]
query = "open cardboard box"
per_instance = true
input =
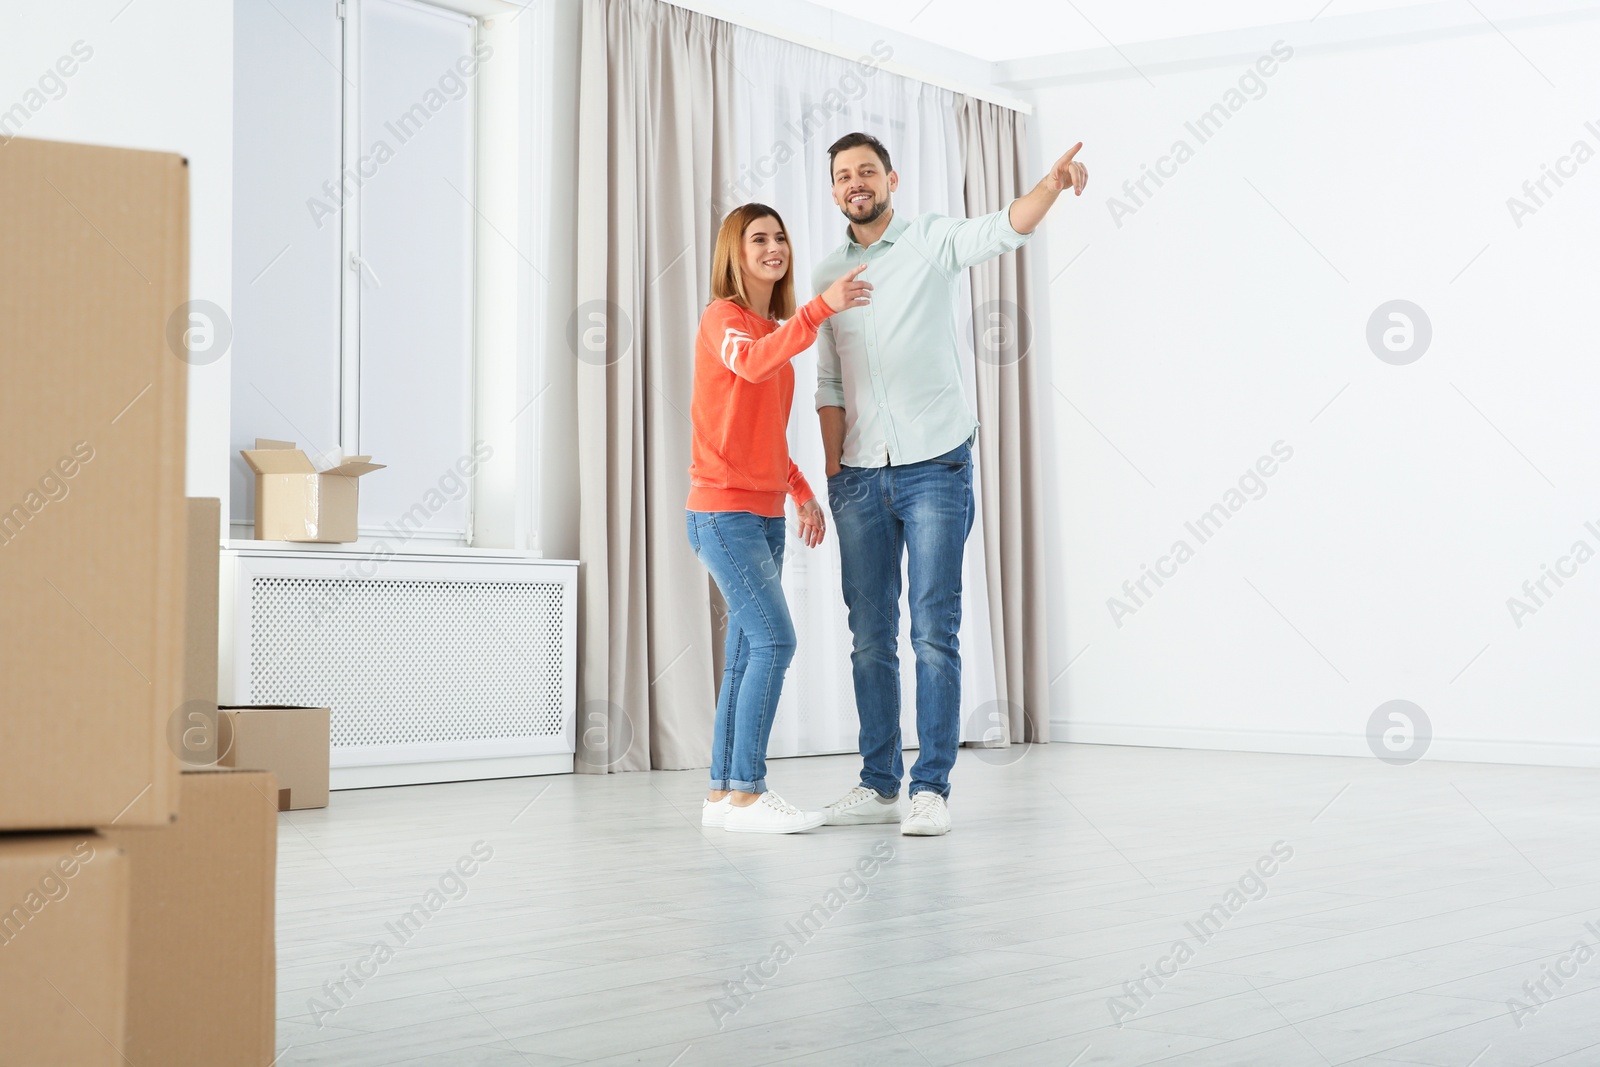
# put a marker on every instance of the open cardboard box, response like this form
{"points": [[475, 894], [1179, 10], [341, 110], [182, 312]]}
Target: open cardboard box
{"points": [[297, 502]]}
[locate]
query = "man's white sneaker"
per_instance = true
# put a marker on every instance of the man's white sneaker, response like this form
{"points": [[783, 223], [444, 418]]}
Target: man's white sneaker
{"points": [[713, 812], [862, 805], [929, 817], [770, 814]]}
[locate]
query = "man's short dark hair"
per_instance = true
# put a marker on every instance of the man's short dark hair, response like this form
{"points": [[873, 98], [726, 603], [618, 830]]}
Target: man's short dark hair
{"points": [[857, 140]]}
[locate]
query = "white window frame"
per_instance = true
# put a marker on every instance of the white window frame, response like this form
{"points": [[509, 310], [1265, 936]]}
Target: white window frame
{"points": [[350, 261]]}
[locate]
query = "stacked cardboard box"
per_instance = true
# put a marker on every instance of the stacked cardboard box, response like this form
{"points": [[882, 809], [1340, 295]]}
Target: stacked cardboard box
{"points": [[201, 975], [92, 511], [63, 949], [108, 645]]}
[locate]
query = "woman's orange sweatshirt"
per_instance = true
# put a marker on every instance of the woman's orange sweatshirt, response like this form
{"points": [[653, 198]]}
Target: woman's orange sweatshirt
{"points": [[743, 386]]}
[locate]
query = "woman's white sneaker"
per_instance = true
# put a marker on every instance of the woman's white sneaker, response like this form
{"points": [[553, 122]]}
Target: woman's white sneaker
{"points": [[770, 814], [929, 817], [713, 812], [862, 805]]}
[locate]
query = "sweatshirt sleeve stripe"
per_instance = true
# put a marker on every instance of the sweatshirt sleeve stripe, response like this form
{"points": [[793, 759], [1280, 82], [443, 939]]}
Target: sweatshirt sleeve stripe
{"points": [[731, 353]]}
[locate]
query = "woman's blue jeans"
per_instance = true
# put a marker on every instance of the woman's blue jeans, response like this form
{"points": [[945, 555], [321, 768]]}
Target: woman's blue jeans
{"points": [[744, 553]]}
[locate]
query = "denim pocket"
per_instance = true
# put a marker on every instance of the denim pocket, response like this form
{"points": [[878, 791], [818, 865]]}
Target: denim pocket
{"points": [[694, 532], [959, 456], [850, 485]]}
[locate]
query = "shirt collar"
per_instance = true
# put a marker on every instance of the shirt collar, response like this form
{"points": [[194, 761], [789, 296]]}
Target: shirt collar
{"points": [[897, 226]]}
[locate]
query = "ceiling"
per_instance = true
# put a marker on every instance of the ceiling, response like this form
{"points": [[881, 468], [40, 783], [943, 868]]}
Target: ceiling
{"points": [[997, 30]]}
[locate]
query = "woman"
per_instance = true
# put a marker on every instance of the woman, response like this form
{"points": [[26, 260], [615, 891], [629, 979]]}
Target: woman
{"points": [[738, 475]]}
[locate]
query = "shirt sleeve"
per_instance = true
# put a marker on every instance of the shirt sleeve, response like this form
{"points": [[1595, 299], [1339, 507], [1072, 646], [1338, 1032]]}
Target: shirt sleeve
{"points": [[830, 381], [961, 243], [755, 359], [799, 488]]}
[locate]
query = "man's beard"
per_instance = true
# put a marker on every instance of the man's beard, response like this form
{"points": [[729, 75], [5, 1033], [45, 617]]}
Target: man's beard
{"points": [[878, 208]]}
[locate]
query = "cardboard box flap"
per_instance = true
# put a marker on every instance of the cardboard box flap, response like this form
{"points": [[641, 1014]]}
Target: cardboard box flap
{"points": [[267, 442], [354, 467], [277, 460]]}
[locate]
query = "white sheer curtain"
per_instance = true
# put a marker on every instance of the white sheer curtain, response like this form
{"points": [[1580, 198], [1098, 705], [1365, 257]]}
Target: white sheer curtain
{"points": [[789, 104]]}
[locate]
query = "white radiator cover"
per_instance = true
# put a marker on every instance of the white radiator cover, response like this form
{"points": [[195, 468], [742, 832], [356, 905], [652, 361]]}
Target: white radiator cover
{"points": [[437, 668]]}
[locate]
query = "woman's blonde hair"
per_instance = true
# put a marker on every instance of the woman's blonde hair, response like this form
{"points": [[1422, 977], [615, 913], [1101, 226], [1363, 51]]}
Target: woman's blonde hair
{"points": [[727, 274]]}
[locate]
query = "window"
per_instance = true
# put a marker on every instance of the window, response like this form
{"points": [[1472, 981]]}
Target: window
{"points": [[355, 184]]}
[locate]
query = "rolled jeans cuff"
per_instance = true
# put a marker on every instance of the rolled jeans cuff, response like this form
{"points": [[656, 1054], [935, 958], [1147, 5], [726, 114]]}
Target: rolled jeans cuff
{"points": [[759, 786]]}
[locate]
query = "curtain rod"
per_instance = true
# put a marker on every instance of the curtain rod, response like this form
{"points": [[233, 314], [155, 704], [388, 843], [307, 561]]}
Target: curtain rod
{"points": [[993, 96]]}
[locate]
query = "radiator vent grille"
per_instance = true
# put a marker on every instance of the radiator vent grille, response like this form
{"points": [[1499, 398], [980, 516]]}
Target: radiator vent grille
{"points": [[411, 662]]}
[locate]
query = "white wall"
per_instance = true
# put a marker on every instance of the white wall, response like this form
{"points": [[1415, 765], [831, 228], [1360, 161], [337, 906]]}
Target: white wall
{"points": [[1230, 311], [160, 77]]}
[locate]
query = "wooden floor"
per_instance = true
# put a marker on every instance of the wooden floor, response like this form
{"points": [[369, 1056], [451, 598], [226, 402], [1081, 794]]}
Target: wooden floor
{"points": [[1403, 908]]}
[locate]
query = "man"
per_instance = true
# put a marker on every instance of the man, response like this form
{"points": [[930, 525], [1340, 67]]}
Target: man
{"points": [[898, 432]]}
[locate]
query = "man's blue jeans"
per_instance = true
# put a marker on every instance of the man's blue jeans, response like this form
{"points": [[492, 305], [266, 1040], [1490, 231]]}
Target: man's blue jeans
{"points": [[744, 553], [923, 512]]}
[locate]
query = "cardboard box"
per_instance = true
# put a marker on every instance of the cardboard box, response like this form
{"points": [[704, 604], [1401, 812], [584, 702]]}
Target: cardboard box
{"points": [[64, 906], [297, 502], [93, 273], [202, 981], [193, 733], [292, 743]]}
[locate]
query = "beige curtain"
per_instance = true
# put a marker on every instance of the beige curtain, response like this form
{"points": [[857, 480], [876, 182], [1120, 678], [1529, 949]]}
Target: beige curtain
{"points": [[1010, 407], [653, 143]]}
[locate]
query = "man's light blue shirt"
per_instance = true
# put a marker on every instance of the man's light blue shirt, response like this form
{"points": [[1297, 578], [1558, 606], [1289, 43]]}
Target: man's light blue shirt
{"points": [[893, 365]]}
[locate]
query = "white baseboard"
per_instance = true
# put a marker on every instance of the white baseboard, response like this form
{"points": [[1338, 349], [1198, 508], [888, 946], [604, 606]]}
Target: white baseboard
{"points": [[464, 770], [1306, 743]]}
